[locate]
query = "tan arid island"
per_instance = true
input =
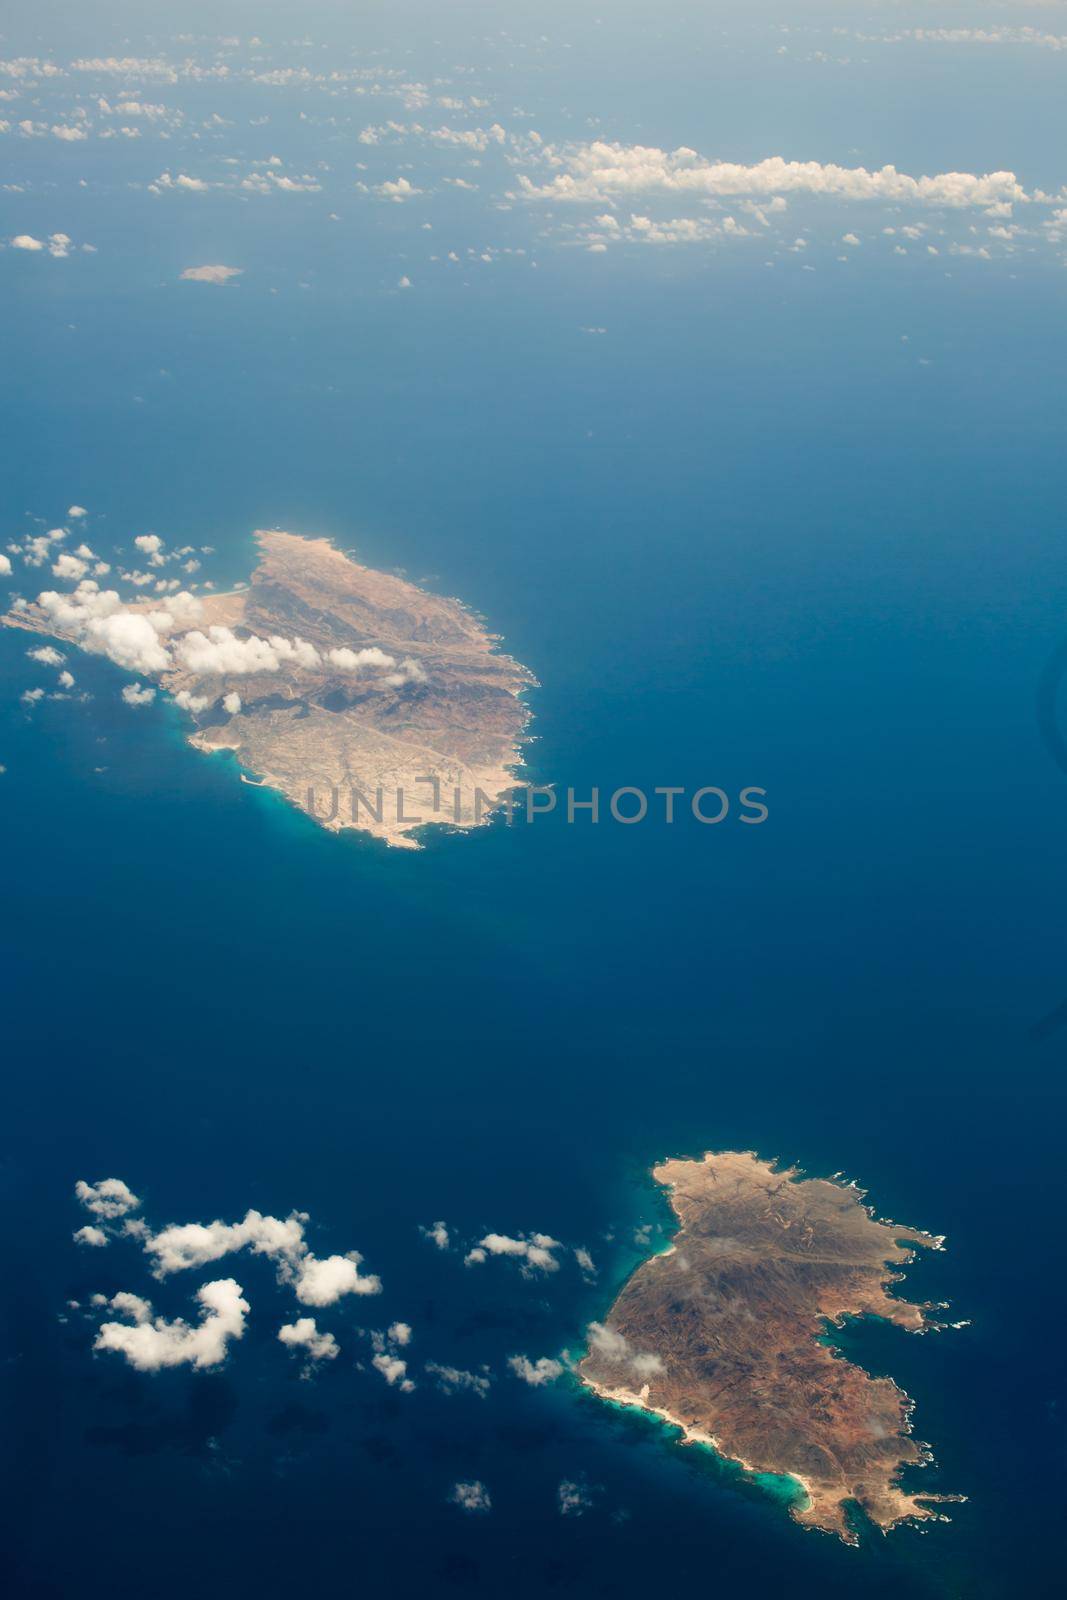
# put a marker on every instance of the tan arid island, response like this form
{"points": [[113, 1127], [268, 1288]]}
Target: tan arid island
{"points": [[389, 706], [720, 1335]]}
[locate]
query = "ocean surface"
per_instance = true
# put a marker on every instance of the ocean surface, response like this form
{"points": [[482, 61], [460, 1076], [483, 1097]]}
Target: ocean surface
{"points": [[746, 537]]}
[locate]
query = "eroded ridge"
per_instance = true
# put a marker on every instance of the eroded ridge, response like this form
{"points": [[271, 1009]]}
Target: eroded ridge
{"points": [[720, 1335], [388, 707]]}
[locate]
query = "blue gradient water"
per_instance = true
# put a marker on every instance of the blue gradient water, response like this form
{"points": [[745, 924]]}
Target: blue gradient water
{"points": [[745, 537]]}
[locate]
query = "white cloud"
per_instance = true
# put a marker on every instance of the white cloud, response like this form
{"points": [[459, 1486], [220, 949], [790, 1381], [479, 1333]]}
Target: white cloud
{"points": [[66, 680], [355, 660], [451, 1379], [585, 1261], [304, 1335], [90, 1235], [134, 695], [76, 511], [110, 1198], [47, 656], [534, 1250], [150, 1343], [62, 131], [397, 190], [392, 1369], [437, 1233], [613, 1346], [26, 241], [322, 1282], [182, 181], [999, 35], [602, 171], [98, 621], [68, 566], [5, 566], [216, 274], [231, 703], [470, 1496], [315, 1281], [543, 1370], [399, 1333], [150, 543], [191, 702]]}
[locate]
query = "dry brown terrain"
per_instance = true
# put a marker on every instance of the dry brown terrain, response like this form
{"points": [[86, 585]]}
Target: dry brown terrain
{"points": [[457, 718], [720, 1334]]}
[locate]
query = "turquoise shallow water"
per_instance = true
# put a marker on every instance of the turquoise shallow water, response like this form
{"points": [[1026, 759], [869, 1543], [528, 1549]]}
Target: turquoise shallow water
{"points": [[745, 539]]}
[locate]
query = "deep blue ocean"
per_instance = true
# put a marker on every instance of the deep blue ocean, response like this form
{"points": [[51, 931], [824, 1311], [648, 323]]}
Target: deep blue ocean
{"points": [[744, 538]]}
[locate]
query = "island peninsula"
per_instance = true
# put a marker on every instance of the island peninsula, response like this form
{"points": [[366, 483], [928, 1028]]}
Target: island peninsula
{"points": [[721, 1335], [365, 700]]}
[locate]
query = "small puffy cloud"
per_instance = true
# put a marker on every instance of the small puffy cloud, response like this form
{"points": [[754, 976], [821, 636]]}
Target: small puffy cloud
{"points": [[397, 190], [30, 697], [543, 1370], [585, 1261], [47, 655], [134, 695], [5, 566], [110, 1198], [304, 1335], [534, 1250], [26, 241], [404, 282], [150, 1343], [66, 680], [850, 239], [72, 135], [437, 1233], [192, 702], [393, 1370], [231, 703], [91, 1235], [470, 1497], [212, 274], [399, 1333], [450, 1380], [76, 511], [68, 566], [322, 1282], [355, 660], [150, 543]]}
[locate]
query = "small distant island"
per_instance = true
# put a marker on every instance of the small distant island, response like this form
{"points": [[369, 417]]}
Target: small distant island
{"points": [[723, 1335], [365, 700]]}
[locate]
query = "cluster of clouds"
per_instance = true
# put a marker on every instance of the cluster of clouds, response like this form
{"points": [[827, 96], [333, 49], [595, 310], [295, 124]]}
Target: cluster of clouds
{"points": [[150, 1343], [600, 171], [998, 35], [536, 1253], [57, 245], [158, 639], [386, 1359]]}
